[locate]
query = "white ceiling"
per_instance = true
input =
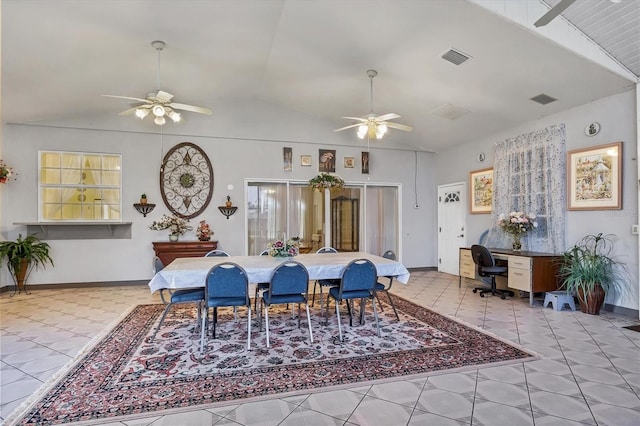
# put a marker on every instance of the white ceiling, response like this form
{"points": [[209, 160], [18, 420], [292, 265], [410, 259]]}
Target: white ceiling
{"points": [[310, 57]]}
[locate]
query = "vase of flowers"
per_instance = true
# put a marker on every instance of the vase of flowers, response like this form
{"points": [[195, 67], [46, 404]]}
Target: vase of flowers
{"points": [[326, 181], [176, 225], [5, 172], [284, 248], [517, 224]]}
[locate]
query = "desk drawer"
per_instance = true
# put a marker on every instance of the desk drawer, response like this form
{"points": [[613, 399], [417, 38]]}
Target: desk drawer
{"points": [[467, 267], [519, 278], [520, 262]]}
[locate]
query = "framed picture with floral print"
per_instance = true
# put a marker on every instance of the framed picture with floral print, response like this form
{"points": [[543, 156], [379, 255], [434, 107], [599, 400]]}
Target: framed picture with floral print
{"points": [[594, 178], [305, 160], [481, 191], [349, 162]]}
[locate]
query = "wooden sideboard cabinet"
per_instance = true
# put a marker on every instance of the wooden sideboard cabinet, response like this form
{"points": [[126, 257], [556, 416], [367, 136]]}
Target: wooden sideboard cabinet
{"points": [[527, 271], [167, 251]]}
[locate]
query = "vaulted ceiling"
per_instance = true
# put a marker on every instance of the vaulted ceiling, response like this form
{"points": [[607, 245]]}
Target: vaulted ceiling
{"points": [[311, 57]]}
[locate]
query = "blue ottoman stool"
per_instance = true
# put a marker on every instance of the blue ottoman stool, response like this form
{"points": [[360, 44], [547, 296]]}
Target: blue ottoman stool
{"points": [[558, 299]]}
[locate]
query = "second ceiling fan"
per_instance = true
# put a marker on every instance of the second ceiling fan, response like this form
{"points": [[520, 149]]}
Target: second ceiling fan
{"points": [[374, 126]]}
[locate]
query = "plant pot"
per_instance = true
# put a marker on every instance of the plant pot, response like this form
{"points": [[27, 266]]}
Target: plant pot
{"points": [[143, 201], [228, 204], [517, 244], [173, 237], [21, 274], [594, 300]]}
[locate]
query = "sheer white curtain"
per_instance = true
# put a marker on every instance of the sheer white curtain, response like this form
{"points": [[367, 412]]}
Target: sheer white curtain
{"points": [[267, 214], [381, 218], [529, 176]]}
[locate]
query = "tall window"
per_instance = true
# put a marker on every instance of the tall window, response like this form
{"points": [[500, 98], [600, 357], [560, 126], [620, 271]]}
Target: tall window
{"points": [[79, 186], [529, 176]]}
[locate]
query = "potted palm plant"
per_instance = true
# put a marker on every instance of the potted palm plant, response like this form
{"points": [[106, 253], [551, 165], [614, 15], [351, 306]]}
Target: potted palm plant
{"points": [[589, 271], [23, 255]]}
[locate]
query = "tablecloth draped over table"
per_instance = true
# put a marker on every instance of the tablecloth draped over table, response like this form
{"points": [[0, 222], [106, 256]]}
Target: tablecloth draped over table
{"points": [[189, 272]]}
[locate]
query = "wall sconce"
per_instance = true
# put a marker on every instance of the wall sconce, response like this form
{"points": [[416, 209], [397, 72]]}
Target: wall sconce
{"points": [[227, 211], [144, 209]]}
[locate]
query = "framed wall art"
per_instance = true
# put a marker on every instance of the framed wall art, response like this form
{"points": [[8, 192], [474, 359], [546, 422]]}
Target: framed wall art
{"points": [[327, 161], [305, 160], [365, 162], [594, 178], [349, 162], [481, 191], [287, 159]]}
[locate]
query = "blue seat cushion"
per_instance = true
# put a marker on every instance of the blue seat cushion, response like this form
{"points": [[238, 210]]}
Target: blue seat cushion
{"points": [[283, 298], [380, 286], [226, 301], [190, 295], [494, 269], [354, 294]]}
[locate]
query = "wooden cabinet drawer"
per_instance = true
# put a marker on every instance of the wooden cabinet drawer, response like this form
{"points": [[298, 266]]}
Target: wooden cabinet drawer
{"points": [[467, 268], [519, 278], [519, 262]]}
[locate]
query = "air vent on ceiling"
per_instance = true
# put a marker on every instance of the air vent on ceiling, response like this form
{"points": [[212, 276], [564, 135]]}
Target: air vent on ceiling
{"points": [[455, 57], [543, 99], [449, 111]]}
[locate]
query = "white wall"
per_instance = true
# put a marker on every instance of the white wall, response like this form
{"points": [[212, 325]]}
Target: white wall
{"points": [[617, 117], [243, 141]]}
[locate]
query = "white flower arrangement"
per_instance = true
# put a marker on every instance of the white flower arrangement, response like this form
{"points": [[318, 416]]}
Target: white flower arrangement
{"points": [[176, 225], [517, 223]]}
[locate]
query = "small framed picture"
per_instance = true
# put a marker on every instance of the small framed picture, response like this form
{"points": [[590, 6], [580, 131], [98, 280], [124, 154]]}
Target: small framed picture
{"points": [[365, 162], [327, 160], [305, 160], [349, 162], [481, 191], [594, 178], [287, 157]]}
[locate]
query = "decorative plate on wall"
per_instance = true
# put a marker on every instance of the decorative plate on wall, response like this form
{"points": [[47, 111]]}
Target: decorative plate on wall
{"points": [[186, 180]]}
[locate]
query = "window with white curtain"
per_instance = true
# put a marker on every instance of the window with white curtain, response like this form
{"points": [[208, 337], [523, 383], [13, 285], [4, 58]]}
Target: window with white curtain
{"points": [[529, 176], [79, 186]]}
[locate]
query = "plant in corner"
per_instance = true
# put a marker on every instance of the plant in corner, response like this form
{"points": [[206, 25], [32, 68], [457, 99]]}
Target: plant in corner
{"points": [[23, 255], [589, 271]]}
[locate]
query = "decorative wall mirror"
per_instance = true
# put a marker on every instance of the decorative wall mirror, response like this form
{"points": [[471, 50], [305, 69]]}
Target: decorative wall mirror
{"points": [[186, 180]]}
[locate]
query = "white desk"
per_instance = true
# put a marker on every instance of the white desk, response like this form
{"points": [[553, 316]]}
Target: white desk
{"points": [[192, 271]]}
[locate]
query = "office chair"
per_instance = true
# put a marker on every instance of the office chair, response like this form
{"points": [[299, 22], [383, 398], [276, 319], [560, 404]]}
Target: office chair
{"points": [[487, 267]]}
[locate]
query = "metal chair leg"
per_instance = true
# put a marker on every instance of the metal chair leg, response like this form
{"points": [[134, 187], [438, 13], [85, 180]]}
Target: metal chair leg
{"points": [[338, 316], [392, 304]]}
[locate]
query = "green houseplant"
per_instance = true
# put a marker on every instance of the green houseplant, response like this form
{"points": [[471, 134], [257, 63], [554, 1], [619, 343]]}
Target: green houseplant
{"points": [[589, 271], [23, 255]]}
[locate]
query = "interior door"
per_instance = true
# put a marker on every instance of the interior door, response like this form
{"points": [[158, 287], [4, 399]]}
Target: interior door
{"points": [[451, 226]]}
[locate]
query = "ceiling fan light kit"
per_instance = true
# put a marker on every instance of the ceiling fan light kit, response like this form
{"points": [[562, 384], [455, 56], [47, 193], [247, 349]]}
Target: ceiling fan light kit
{"points": [[159, 103], [372, 126]]}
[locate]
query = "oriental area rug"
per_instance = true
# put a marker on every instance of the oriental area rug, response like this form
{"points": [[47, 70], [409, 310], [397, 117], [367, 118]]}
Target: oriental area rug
{"points": [[127, 374]]}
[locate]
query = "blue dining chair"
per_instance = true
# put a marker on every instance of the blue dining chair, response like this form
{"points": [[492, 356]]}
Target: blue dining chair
{"points": [[158, 266], [325, 282], [217, 253], [289, 284], [389, 254], [191, 295], [358, 281], [226, 285]]}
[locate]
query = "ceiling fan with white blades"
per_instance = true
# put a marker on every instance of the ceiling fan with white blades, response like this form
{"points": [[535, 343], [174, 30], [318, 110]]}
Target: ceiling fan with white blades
{"points": [[374, 126], [159, 103]]}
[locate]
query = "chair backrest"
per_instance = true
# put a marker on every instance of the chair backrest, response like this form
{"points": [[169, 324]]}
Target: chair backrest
{"points": [[265, 252], [359, 274], [217, 253], [289, 278], [157, 265], [482, 257], [327, 249], [227, 279], [389, 254]]}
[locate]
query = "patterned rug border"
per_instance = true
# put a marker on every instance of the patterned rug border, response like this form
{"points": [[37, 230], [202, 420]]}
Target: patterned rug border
{"points": [[53, 381]]}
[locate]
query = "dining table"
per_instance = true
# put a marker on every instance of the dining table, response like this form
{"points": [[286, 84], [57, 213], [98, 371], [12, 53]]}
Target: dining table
{"points": [[191, 272]]}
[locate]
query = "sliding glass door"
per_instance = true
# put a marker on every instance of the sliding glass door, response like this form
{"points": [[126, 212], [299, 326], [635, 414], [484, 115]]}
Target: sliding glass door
{"points": [[356, 218]]}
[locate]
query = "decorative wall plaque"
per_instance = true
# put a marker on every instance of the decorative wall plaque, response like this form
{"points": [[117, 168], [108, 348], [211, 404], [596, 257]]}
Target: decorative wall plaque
{"points": [[186, 180]]}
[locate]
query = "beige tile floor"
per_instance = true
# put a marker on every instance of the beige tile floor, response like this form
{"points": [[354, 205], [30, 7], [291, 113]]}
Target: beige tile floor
{"points": [[589, 372]]}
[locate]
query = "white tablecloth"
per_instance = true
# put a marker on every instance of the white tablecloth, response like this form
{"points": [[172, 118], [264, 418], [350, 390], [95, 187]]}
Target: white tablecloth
{"points": [[189, 272]]}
